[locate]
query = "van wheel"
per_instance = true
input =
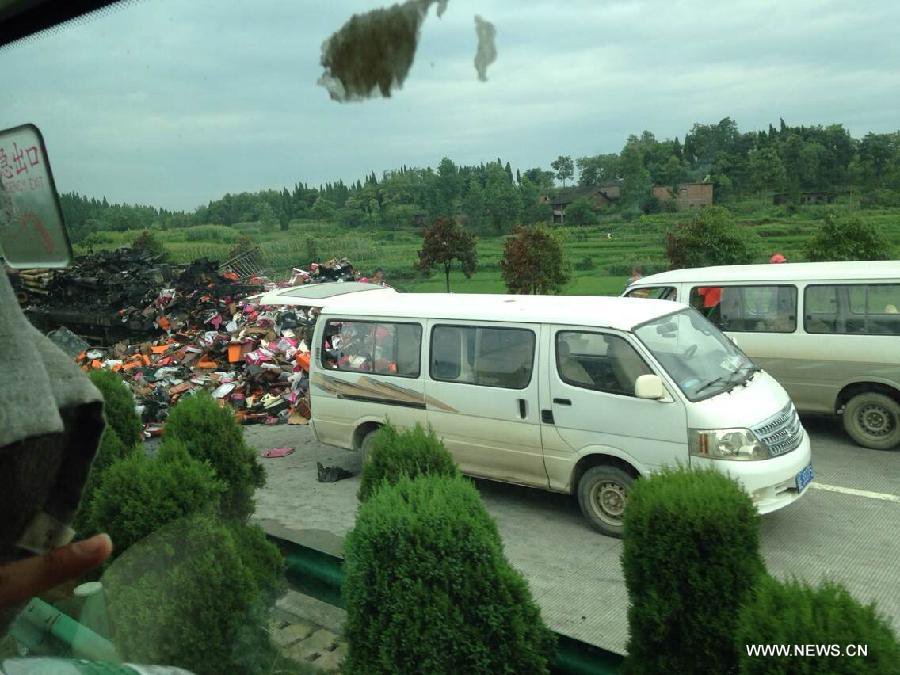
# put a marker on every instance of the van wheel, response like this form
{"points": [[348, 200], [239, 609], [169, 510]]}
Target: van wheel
{"points": [[873, 421], [602, 495], [365, 448]]}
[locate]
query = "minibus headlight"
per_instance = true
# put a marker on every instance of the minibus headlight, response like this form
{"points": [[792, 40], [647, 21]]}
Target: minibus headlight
{"points": [[737, 444]]}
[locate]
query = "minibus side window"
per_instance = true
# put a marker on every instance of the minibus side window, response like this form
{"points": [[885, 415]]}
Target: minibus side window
{"points": [[852, 309], [654, 292], [408, 349], [446, 353], [488, 357], [857, 296], [380, 348], [882, 305], [598, 362], [748, 309], [820, 309]]}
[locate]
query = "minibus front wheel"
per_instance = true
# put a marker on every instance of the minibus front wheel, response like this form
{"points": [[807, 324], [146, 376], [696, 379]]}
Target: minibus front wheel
{"points": [[602, 495], [872, 419]]}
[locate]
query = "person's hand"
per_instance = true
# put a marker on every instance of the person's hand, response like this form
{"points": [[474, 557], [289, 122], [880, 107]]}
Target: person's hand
{"points": [[24, 579]]}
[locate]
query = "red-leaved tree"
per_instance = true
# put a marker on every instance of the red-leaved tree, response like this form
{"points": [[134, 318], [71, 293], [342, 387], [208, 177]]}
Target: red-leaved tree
{"points": [[445, 242], [533, 262]]}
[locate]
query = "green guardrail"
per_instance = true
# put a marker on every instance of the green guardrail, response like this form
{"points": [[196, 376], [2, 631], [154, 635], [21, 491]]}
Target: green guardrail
{"points": [[44, 629], [320, 575]]}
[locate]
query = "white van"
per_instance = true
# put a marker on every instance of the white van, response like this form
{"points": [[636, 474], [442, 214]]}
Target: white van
{"points": [[828, 332], [580, 395]]}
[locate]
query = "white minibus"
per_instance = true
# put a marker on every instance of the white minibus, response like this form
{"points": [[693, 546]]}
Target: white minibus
{"points": [[828, 332], [579, 395]]}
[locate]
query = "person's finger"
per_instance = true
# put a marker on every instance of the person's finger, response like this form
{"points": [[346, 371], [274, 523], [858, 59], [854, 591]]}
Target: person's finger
{"points": [[24, 579]]}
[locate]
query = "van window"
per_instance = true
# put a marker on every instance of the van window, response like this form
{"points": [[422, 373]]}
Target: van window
{"points": [[654, 293], [380, 348], [488, 357], [852, 309], [857, 296], [598, 361], [748, 309]]}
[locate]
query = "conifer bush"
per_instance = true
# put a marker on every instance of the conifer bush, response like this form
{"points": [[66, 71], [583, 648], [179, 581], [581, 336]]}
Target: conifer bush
{"points": [[828, 617], [120, 438], [428, 589], [140, 494], [691, 559], [403, 453], [196, 594], [210, 434], [118, 406], [110, 450]]}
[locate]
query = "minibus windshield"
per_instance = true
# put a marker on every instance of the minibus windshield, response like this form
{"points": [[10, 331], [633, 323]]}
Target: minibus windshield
{"points": [[701, 360]]}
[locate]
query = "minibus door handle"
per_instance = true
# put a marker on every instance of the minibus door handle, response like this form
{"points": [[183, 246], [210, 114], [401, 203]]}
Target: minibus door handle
{"points": [[522, 411], [562, 401]]}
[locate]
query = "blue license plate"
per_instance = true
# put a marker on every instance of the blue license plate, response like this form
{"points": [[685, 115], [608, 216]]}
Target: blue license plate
{"points": [[804, 478]]}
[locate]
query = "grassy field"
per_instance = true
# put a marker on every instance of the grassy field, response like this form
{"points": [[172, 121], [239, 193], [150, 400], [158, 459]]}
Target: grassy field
{"points": [[639, 241]]}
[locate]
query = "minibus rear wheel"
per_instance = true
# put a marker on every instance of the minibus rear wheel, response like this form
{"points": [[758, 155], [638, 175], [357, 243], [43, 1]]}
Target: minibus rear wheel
{"points": [[602, 495], [873, 420], [365, 448]]}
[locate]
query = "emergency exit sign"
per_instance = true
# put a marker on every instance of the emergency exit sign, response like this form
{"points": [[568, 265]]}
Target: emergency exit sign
{"points": [[32, 231]]}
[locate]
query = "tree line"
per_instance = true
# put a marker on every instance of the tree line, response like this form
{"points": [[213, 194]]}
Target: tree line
{"points": [[492, 199], [781, 159]]}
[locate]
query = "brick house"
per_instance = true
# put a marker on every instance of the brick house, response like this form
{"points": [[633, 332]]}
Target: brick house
{"points": [[601, 196], [690, 195]]}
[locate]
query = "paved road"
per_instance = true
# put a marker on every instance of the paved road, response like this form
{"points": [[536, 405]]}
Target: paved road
{"points": [[845, 528]]}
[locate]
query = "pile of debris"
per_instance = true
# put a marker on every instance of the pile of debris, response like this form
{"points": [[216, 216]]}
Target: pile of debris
{"points": [[333, 270], [172, 331], [128, 292], [252, 357], [123, 280]]}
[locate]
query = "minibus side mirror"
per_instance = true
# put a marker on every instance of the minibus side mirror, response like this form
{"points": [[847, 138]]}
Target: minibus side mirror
{"points": [[650, 387]]}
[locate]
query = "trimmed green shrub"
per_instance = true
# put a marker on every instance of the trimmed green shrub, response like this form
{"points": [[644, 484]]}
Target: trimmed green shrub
{"points": [[261, 558], [119, 439], [408, 453], [195, 595], [139, 494], [210, 433], [794, 613], [586, 263], [118, 406], [428, 589], [110, 450], [691, 558]]}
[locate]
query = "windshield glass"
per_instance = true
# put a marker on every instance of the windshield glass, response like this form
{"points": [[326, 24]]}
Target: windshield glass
{"points": [[701, 360]]}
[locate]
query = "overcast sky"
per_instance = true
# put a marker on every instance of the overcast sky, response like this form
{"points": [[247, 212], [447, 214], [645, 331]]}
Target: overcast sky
{"points": [[175, 102]]}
